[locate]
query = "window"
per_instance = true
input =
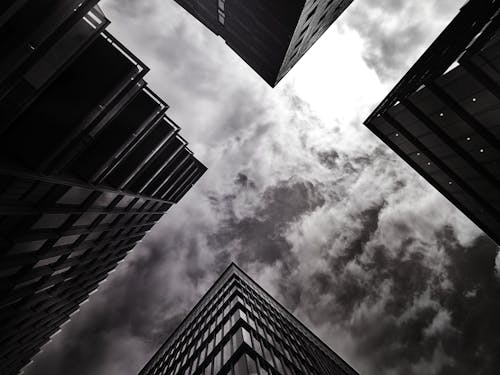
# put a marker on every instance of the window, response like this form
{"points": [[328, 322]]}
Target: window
{"points": [[237, 339], [75, 196], [221, 11], [208, 369], [246, 337], [192, 369], [86, 219], [210, 346], [66, 240], [50, 221], [311, 13], [217, 362], [47, 261], [77, 253], [227, 352], [243, 315], [297, 44], [24, 247], [93, 236], [61, 270], [267, 353], [257, 346], [222, 17], [201, 356], [218, 336], [104, 199], [277, 363], [125, 201], [227, 326], [263, 371], [240, 367], [109, 219], [304, 30], [252, 366]]}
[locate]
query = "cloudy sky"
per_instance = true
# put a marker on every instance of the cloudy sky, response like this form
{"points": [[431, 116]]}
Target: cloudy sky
{"points": [[304, 198]]}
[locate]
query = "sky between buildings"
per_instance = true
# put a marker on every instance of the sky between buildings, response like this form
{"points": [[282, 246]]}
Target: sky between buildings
{"points": [[304, 198]]}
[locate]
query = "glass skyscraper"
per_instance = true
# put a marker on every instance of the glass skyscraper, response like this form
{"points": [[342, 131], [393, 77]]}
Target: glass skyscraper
{"points": [[89, 162], [442, 118], [270, 36], [239, 329]]}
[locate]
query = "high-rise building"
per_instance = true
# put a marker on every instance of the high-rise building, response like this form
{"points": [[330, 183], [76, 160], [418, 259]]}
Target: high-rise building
{"points": [[239, 329], [442, 118], [89, 162], [270, 36]]}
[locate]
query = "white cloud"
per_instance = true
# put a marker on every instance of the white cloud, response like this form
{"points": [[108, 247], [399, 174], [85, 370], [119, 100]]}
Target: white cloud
{"points": [[435, 364], [440, 323]]}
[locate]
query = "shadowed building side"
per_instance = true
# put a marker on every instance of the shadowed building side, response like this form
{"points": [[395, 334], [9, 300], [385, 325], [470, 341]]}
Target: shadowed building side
{"points": [[442, 117], [239, 329], [270, 36], [89, 162]]}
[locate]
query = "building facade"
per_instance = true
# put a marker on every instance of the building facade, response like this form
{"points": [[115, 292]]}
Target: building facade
{"points": [[270, 36], [89, 162], [239, 329], [442, 118]]}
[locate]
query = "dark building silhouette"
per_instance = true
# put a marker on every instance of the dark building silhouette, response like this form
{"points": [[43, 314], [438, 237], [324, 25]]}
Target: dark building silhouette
{"points": [[442, 118], [89, 162], [270, 36], [239, 329]]}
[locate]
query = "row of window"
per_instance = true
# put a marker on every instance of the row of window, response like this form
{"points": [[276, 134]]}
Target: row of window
{"points": [[213, 357], [285, 337], [263, 360], [453, 173], [262, 322], [51, 234], [221, 11], [319, 24], [208, 319], [36, 320], [469, 193], [288, 329], [205, 336], [216, 353], [64, 268], [198, 317], [45, 252]]}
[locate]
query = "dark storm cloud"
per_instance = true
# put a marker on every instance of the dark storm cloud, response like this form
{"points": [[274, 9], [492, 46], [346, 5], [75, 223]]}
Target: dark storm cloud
{"points": [[328, 158], [475, 306], [260, 236], [396, 32], [403, 315]]}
